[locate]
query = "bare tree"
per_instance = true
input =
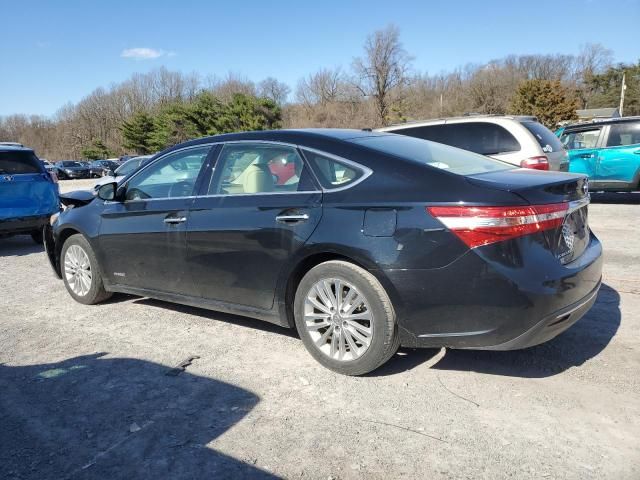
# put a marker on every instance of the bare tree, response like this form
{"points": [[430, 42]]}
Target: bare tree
{"points": [[322, 87], [275, 90], [384, 69]]}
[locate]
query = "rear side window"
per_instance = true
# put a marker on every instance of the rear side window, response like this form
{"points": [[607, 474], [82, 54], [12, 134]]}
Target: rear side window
{"points": [[622, 134], [478, 137], [545, 137], [19, 162], [579, 139], [332, 173], [453, 160]]}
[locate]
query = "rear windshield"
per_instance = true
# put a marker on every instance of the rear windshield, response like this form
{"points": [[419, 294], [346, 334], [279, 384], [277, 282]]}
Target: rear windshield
{"points": [[14, 163], [436, 155], [545, 137]]}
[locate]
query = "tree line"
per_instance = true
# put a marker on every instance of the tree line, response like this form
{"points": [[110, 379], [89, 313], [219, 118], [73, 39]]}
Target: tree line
{"points": [[151, 111]]}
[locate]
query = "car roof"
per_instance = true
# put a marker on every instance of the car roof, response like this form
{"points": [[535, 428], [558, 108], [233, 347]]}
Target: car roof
{"points": [[286, 136], [14, 148], [604, 121]]}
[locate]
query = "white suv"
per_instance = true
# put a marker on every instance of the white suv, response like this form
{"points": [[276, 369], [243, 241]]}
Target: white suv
{"points": [[522, 141]]}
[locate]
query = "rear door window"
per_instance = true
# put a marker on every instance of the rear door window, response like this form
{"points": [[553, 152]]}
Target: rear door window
{"points": [[623, 134], [19, 162], [580, 139], [545, 137], [479, 137]]}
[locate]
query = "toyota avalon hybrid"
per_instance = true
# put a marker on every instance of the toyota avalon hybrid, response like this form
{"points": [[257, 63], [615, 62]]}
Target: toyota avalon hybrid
{"points": [[377, 240]]}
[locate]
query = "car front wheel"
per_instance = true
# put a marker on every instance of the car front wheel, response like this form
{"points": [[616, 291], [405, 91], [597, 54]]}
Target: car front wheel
{"points": [[80, 271], [345, 318]]}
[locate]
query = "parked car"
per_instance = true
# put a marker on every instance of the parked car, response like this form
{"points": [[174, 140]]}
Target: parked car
{"points": [[518, 140], [68, 169], [608, 151], [28, 194], [103, 168], [51, 169], [382, 240], [125, 169]]}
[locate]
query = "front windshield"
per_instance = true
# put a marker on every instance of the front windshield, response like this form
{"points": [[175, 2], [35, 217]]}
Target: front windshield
{"points": [[437, 155], [71, 164]]}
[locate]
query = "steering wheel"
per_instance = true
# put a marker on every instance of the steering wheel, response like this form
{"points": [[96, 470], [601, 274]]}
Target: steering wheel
{"points": [[181, 189], [137, 194]]}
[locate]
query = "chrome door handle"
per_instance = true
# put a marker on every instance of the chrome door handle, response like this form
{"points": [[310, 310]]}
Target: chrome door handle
{"points": [[175, 220], [300, 217]]}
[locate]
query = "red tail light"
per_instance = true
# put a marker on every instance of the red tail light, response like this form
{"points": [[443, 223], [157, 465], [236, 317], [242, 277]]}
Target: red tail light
{"points": [[537, 163], [477, 226]]}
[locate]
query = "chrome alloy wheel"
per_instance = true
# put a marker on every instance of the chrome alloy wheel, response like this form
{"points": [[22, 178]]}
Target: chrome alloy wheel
{"points": [[338, 319], [77, 270]]}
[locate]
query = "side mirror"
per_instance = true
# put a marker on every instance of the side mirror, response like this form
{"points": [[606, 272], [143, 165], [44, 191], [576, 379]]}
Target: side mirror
{"points": [[107, 191]]}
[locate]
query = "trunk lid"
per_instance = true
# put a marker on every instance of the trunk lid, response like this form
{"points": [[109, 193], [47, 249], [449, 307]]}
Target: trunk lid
{"points": [[567, 241]]}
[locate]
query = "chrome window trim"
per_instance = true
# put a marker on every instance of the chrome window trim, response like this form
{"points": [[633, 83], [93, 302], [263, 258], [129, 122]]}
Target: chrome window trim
{"points": [[366, 171]]}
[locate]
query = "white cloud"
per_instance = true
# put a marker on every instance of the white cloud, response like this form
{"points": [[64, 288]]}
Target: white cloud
{"points": [[142, 53]]}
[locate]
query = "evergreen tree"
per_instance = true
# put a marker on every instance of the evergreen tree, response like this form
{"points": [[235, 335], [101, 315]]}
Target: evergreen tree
{"points": [[546, 99], [97, 150], [137, 133]]}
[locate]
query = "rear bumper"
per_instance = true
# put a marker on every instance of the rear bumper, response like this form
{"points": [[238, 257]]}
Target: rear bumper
{"points": [[504, 299], [23, 224], [550, 326]]}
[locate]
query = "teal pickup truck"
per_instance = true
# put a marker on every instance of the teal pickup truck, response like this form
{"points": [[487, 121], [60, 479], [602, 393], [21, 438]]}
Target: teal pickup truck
{"points": [[607, 151]]}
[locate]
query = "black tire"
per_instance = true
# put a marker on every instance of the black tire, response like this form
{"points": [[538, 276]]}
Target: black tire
{"points": [[385, 339], [96, 292], [38, 237]]}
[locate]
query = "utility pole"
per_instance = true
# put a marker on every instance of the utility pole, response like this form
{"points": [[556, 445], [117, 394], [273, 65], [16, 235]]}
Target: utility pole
{"points": [[624, 87]]}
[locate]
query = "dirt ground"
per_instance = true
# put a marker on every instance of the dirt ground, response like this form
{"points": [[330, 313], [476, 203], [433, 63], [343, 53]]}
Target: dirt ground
{"points": [[84, 390]]}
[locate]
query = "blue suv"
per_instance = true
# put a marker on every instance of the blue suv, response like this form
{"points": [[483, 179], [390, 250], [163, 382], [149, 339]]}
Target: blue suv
{"points": [[28, 194], [607, 151]]}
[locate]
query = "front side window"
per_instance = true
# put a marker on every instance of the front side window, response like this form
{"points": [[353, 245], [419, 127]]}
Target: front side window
{"points": [[244, 168], [577, 140], [173, 176], [623, 134]]}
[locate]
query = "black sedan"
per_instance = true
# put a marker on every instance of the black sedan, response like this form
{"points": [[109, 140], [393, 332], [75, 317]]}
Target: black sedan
{"points": [[378, 240], [103, 168], [68, 169]]}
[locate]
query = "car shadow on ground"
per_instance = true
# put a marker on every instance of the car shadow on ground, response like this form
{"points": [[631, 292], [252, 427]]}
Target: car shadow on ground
{"points": [[99, 417], [18, 246], [583, 341], [241, 321], [632, 198]]}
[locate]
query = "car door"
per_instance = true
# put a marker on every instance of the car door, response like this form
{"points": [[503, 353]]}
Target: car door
{"points": [[143, 235], [583, 144], [619, 162], [247, 225]]}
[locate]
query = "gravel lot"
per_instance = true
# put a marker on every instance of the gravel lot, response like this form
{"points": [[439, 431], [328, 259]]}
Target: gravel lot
{"points": [[84, 391]]}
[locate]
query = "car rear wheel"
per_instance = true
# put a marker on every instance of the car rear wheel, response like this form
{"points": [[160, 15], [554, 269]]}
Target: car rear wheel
{"points": [[80, 271], [345, 318]]}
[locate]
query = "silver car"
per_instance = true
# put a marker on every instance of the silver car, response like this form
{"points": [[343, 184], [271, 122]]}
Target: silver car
{"points": [[125, 169], [519, 140]]}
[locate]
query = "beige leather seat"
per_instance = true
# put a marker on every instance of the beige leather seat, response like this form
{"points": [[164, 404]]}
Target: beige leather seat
{"points": [[257, 178]]}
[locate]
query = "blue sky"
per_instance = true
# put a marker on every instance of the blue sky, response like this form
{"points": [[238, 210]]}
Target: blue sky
{"points": [[52, 53]]}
